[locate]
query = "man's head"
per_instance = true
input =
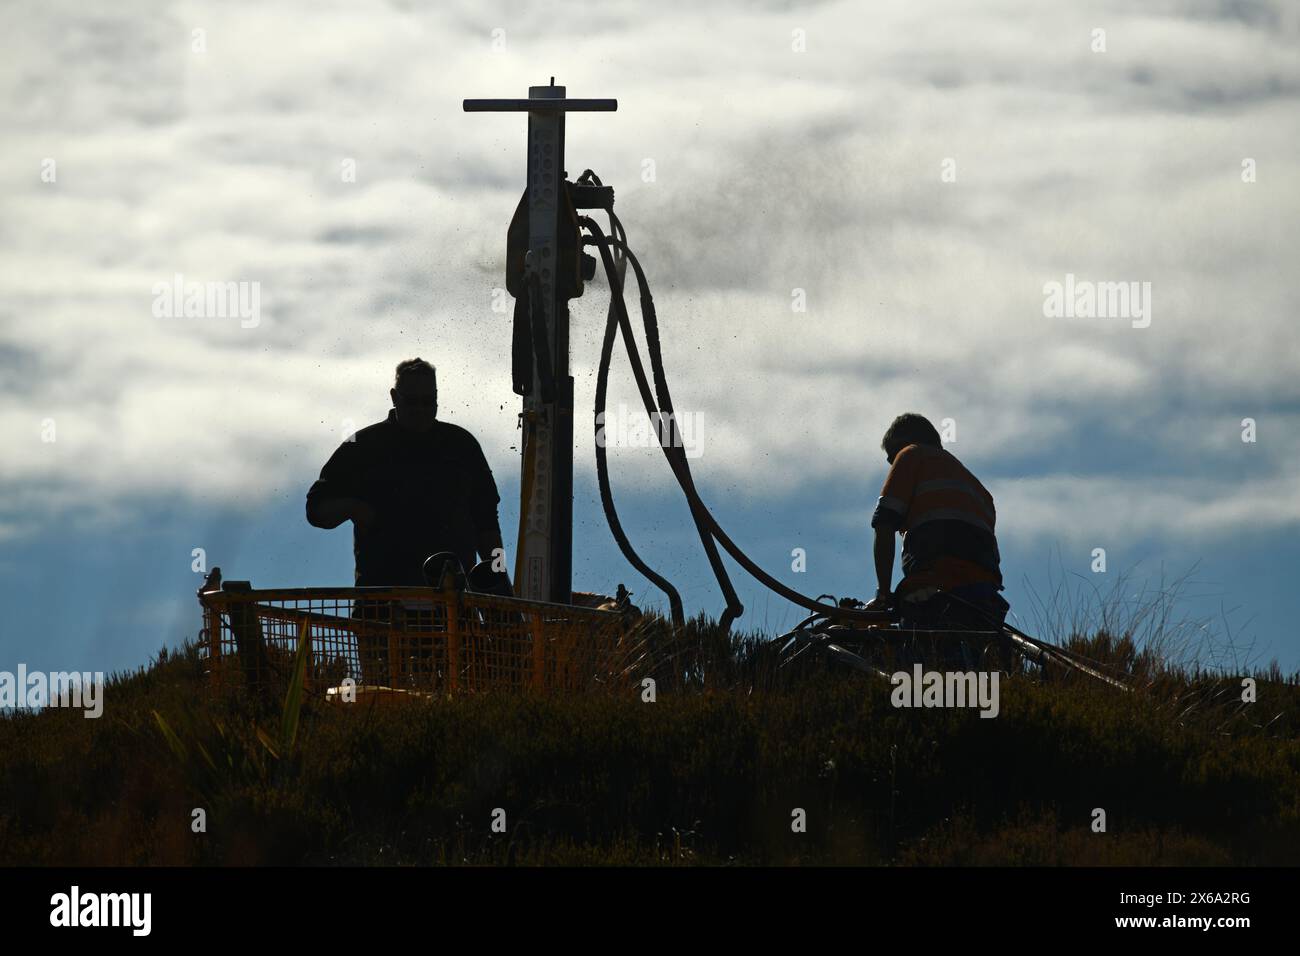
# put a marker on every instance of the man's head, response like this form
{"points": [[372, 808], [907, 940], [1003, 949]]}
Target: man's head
{"points": [[415, 394], [908, 429]]}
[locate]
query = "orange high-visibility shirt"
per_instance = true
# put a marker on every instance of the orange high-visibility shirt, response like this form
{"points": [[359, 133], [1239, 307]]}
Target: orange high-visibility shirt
{"points": [[946, 518]]}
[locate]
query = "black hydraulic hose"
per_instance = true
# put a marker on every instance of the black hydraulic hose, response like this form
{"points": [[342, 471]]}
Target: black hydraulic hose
{"points": [[676, 455], [734, 608], [683, 471], [602, 465], [622, 254], [650, 317], [677, 462], [607, 497]]}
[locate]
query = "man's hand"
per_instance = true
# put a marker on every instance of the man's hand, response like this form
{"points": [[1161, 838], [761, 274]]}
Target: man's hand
{"points": [[881, 602]]}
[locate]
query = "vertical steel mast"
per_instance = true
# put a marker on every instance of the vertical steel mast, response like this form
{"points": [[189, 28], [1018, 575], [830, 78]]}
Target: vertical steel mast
{"points": [[544, 564]]}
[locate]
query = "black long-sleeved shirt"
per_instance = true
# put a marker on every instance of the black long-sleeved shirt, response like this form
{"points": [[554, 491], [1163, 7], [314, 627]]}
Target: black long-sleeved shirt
{"points": [[431, 492]]}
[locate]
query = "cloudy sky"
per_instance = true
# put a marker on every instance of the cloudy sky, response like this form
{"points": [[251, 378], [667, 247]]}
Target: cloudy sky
{"points": [[921, 170]]}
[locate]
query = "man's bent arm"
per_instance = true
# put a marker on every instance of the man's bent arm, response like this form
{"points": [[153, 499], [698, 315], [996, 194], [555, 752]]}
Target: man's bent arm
{"points": [[330, 512], [333, 498]]}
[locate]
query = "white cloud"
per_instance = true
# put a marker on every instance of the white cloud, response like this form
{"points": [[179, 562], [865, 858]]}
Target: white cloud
{"points": [[776, 170]]}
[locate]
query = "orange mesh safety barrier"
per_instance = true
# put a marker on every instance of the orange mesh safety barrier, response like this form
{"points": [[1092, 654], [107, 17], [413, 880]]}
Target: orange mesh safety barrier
{"points": [[410, 640]]}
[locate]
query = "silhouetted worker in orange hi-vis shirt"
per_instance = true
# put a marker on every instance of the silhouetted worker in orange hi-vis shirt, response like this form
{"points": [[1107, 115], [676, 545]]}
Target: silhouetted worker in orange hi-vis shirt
{"points": [[951, 566]]}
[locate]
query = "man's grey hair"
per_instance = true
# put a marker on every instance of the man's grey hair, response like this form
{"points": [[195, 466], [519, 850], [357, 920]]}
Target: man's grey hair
{"points": [[415, 366]]}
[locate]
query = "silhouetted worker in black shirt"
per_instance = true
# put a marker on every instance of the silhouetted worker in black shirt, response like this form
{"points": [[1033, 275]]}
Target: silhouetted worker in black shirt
{"points": [[412, 486]]}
